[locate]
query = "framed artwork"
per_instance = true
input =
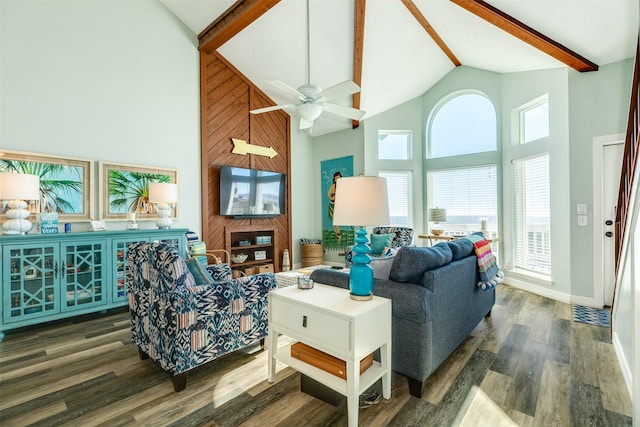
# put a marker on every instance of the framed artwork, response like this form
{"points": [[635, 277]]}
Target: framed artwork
{"points": [[334, 237], [65, 183], [125, 188]]}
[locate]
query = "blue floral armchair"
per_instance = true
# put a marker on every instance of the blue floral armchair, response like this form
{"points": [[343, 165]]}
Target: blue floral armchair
{"points": [[182, 323]]}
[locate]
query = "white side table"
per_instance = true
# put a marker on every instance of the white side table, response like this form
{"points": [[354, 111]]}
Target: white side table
{"points": [[327, 319]]}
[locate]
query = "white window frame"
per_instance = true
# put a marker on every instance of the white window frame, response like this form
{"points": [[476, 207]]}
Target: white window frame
{"points": [[438, 108], [409, 147], [462, 229], [544, 99], [524, 242]]}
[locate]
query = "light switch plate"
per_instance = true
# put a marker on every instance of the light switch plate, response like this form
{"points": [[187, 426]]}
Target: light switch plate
{"points": [[581, 208], [583, 220]]}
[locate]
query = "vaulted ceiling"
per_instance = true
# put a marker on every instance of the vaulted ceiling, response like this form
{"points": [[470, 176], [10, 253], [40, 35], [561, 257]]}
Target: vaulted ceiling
{"points": [[398, 49]]}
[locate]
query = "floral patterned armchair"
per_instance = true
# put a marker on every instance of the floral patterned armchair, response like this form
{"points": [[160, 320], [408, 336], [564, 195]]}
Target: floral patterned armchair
{"points": [[181, 322]]}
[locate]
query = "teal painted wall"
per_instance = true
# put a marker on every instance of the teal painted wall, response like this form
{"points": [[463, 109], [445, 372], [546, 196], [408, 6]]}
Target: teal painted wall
{"points": [[348, 142], [103, 80], [598, 106], [583, 106]]}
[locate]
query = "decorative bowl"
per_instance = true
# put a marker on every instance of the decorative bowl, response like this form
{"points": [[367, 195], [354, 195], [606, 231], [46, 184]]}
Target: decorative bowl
{"points": [[239, 258]]}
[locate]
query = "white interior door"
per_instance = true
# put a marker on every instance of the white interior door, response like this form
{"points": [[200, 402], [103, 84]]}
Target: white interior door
{"points": [[611, 167]]}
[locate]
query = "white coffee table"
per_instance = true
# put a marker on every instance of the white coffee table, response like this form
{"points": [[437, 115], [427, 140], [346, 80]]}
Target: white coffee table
{"points": [[327, 319]]}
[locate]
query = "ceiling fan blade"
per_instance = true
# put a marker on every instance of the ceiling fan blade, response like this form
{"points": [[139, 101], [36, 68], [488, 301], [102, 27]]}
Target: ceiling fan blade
{"points": [[340, 90], [272, 108], [286, 89], [341, 110], [305, 124]]}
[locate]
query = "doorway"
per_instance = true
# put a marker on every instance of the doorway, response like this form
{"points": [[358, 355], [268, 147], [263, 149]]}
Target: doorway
{"points": [[607, 163]]}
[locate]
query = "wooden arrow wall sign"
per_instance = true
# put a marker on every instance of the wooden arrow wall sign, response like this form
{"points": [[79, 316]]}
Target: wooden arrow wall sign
{"points": [[241, 146]]}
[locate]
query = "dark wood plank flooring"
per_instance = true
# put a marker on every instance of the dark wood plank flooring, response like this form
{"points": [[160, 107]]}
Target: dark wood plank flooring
{"points": [[528, 364]]}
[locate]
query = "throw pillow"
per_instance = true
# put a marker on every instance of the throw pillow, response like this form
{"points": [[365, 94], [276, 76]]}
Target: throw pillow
{"points": [[380, 241], [201, 276], [381, 267], [389, 252], [460, 248], [412, 262]]}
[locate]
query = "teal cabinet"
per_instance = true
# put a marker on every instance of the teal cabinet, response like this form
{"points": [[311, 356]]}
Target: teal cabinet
{"points": [[119, 257], [49, 277]]}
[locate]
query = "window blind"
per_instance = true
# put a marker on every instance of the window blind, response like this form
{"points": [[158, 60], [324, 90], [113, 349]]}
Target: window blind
{"points": [[400, 194], [532, 215], [468, 194]]}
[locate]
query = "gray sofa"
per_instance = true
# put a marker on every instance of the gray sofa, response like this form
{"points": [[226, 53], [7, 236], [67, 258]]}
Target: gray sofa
{"points": [[435, 303]]}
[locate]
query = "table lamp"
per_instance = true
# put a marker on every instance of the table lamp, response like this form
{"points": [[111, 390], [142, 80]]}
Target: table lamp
{"points": [[436, 215], [163, 194], [18, 187], [361, 201]]}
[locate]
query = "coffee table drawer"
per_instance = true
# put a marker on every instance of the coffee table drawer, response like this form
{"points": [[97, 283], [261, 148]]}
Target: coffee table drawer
{"points": [[306, 321]]}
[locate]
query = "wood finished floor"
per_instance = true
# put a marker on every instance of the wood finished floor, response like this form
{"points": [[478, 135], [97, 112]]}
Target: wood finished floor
{"points": [[532, 364]]}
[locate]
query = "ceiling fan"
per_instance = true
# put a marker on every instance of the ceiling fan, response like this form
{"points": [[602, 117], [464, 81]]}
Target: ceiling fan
{"points": [[310, 101]]}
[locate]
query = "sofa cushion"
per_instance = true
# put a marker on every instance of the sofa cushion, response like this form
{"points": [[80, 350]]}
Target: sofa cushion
{"points": [[411, 262], [381, 267], [460, 248], [380, 241], [201, 276]]}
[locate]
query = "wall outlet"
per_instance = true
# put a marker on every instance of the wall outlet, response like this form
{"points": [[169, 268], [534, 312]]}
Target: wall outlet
{"points": [[507, 265]]}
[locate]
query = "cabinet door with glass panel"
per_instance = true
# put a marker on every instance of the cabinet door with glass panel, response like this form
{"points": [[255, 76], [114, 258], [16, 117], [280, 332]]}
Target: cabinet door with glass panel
{"points": [[83, 274], [30, 281], [119, 256]]}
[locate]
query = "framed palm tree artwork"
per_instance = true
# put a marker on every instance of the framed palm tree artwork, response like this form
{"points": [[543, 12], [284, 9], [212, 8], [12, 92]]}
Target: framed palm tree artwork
{"points": [[125, 188], [65, 183]]}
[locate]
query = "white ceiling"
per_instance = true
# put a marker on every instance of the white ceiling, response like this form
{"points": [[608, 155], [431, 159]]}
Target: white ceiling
{"points": [[400, 60]]}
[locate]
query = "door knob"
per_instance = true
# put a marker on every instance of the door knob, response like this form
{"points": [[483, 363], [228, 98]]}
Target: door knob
{"points": [[608, 222], [608, 234]]}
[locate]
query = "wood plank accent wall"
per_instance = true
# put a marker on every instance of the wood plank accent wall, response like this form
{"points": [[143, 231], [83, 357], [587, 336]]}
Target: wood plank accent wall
{"points": [[226, 96]]}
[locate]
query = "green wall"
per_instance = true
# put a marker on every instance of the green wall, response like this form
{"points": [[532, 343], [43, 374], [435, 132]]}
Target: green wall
{"points": [[348, 142], [104, 81], [582, 106], [598, 106]]}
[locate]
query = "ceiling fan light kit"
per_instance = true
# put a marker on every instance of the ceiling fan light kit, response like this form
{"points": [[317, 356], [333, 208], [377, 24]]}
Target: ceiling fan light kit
{"points": [[310, 101]]}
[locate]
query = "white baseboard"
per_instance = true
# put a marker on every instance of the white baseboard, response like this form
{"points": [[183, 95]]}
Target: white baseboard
{"points": [[538, 290], [586, 301], [550, 293], [624, 365]]}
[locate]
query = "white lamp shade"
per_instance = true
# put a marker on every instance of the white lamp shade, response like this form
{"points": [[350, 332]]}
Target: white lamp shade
{"points": [[163, 192], [19, 186], [361, 201]]}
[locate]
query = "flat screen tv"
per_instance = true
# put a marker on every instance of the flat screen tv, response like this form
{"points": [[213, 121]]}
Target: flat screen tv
{"points": [[251, 193]]}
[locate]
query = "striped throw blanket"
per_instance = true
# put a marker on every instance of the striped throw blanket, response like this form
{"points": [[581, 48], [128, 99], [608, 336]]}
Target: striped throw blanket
{"points": [[490, 274]]}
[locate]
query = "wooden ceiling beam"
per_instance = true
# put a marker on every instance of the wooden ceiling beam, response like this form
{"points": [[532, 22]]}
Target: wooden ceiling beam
{"points": [[431, 31], [527, 34], [358, 52], [235, 19]]}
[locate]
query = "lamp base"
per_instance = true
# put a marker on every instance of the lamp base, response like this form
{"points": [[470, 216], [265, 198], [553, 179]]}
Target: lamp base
{"points": [[18, 222], [361, 297], [164, 211], [361, 273]]}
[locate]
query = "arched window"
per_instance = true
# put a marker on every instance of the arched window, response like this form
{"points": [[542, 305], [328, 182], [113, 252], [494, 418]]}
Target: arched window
{"points": [[464, 123]]}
